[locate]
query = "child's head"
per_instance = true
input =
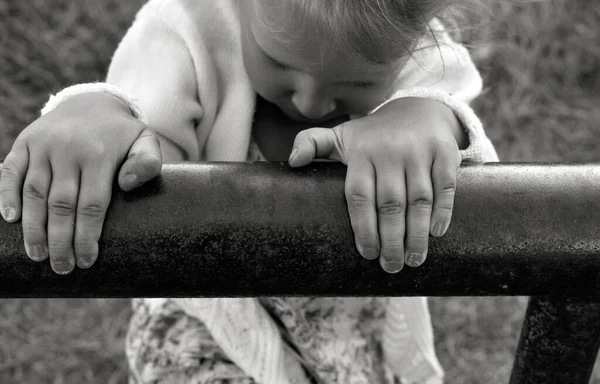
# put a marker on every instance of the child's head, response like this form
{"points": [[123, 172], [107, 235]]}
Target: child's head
{"points": [[319, 59]]}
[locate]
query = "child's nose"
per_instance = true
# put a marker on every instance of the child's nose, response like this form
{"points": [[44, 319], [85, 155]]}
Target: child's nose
{"points": [[311, 106]]}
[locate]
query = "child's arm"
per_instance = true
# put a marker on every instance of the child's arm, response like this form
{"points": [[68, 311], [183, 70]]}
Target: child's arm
{"points": [[153, 65], [63, 164], [152, 70]]}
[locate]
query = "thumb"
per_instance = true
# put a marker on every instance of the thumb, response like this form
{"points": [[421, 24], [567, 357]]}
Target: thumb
{"points": [[143, 163], [316, 143]]}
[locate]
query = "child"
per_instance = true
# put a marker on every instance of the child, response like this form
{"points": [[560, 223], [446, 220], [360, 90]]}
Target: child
{"points": [[227, 80]]}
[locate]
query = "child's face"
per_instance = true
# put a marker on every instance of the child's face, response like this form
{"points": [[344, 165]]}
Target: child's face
{"points": [[308, 79]]}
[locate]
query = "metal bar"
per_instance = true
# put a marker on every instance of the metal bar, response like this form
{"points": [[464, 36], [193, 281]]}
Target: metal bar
{"points": [[559, 342], [261, 229]]}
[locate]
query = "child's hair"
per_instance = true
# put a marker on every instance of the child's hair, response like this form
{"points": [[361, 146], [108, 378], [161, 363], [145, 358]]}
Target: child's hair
{"points": [[378, 31]]}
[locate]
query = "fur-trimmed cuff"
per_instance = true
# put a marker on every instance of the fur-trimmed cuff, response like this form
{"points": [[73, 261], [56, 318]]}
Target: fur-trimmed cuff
{"points": [[480, 148], [65, 94]]}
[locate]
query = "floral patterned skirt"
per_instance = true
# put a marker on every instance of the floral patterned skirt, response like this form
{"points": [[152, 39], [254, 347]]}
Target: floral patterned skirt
{"points": [[337, 340]]}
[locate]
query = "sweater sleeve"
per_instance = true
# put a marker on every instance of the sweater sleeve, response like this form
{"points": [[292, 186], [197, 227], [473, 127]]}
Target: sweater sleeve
{"points": [[153, 65], [442, 70], [152, 72]]}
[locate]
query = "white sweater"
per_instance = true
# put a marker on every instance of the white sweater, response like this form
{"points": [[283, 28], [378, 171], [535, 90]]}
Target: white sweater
{"points": [[180, 69]]}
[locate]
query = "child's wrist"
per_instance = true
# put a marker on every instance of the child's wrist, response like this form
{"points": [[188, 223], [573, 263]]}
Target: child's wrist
{"points": [[452, 121], [445, 114], [466, 126], [109, 90]]}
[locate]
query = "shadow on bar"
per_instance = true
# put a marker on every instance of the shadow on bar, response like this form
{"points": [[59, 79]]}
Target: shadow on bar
{"points": [[264, 229]]}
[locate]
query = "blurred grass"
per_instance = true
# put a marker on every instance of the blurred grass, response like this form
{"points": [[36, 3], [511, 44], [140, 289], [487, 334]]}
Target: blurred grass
{"points": [[541, 69]]}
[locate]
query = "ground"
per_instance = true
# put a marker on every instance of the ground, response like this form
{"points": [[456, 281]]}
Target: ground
{"points": [[541, 65]]}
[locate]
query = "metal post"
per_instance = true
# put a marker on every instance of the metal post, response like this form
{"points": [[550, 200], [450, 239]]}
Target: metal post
{"points": [[559, 341]]}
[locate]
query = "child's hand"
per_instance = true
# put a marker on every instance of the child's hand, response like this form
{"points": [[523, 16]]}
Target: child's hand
{"points": [[402, 164], [63, 165]]}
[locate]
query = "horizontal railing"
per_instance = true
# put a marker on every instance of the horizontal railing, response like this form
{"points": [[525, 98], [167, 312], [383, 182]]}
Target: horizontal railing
{"points": [[253, 229]]}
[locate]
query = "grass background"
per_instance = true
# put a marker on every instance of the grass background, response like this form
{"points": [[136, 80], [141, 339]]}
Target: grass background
{"points": [[541, 66]]}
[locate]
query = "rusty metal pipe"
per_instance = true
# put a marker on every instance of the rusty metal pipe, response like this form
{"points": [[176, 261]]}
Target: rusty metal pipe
{"points": [[256, 229], [559, 341]]}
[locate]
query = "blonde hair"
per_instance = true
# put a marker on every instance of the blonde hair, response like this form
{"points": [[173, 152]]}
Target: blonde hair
{"points": [[378, 31]]}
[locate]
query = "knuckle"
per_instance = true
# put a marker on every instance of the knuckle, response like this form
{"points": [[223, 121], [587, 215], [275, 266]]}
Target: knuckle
{"points": [[61, 207], [421, 201], [9, 169], [359, 200], [364, 147], [92, 210], [444, 208], [6, 193], [393, 206], [32, 192], [448, 186], [445, 146], [392, 245], [32, 227], [59, 245], [96, 151]]}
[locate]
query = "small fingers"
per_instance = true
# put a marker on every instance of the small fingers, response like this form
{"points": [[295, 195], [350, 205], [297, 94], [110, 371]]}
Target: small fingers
{"points": [[35, 208], [62, 205], [94, 197], [391, 211], [443, 172], [12, 175], [418, 215], [143, 163], [360, 196]]}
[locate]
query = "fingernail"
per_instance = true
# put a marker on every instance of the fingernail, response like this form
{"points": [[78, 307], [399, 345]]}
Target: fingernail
{"points": [[9, 214], [61, 267], [414, 259], [84, 262], [130, 179], [370, 253], [293, 155], [393, 266], [438, 229], [36, 252]]}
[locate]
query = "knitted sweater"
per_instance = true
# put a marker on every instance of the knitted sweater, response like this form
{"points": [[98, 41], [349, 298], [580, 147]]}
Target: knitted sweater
{"points": [[180, 69]]}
